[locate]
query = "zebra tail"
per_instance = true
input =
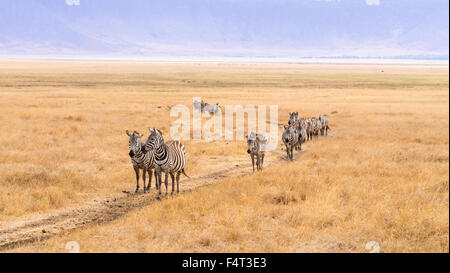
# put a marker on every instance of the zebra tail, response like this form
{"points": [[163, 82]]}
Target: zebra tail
{"points": [[183, 172]]}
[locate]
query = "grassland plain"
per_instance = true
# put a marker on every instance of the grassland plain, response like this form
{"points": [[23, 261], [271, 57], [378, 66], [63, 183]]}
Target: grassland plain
{"points": [[382, 174]]}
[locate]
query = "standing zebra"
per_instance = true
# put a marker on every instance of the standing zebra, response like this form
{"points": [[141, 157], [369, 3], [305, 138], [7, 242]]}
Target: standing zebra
{"points": [[141, 160], [170, 158], [255, 147], [290, 139], [325, 120], [211, 109]]}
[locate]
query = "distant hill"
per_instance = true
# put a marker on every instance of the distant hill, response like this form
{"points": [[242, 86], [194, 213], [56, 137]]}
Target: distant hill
{"points": [[224, 28]]}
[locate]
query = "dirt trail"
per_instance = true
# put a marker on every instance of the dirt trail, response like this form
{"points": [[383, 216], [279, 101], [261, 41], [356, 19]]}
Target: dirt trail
{"points": [[22, 232]]}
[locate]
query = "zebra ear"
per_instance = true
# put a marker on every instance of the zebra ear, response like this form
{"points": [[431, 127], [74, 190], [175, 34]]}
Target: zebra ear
{"points": [[150, 130], [128, 133]]}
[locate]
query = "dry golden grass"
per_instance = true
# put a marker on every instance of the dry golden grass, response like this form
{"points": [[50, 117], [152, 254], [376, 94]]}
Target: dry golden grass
{"points": [[382, 175]]}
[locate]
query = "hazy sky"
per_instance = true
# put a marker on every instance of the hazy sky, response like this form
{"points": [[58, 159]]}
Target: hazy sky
{"points": [[224, 28]]}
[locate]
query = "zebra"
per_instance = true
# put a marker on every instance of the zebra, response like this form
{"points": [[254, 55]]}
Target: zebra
{"points": [[255, 147], [211, 109], [325, 120], [309, 129], [300, 125], [141, 160], [293, 117], [170, 157], [301, 134], [290, 139], [316, 126], [199, 105]]}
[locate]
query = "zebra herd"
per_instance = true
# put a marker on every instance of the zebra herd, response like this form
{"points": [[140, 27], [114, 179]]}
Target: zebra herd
{"points": [[299, 130], [205, 107], [156, 156]]}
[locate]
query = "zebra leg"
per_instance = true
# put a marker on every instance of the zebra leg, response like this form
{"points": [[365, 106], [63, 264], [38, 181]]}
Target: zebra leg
{"points": [[253, 161], [149, 179], [173, 183], [262, 161], [156, 180], [166, 181], [144, 171], [178, 182], [136, 170], [159, 183], [257, 162]]}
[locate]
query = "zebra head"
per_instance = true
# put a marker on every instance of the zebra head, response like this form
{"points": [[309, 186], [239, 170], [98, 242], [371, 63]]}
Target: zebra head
{"points": [[134, 143], [252, 143], [155, 140], [293, 117], [289, 134]]}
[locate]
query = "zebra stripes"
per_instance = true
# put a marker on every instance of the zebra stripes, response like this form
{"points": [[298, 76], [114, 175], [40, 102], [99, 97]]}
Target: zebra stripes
{"points": [[170, 158], [290, 139], [140, 159], [255, 147]]}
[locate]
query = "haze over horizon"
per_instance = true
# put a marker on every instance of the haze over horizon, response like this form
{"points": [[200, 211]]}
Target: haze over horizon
{"points": [[225, 28]]}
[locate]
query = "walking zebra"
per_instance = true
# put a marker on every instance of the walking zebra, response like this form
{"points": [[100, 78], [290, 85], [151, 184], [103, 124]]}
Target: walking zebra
{"points": [[316, 126], [301, 129], [290, 139], [309, 129], [255, 147], [325, 120], [293, 117], [141, 160], [170, 158]]}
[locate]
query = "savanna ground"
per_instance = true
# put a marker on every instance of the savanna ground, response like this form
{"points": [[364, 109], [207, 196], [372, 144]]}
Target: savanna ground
{"points": [[381, 175]]}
